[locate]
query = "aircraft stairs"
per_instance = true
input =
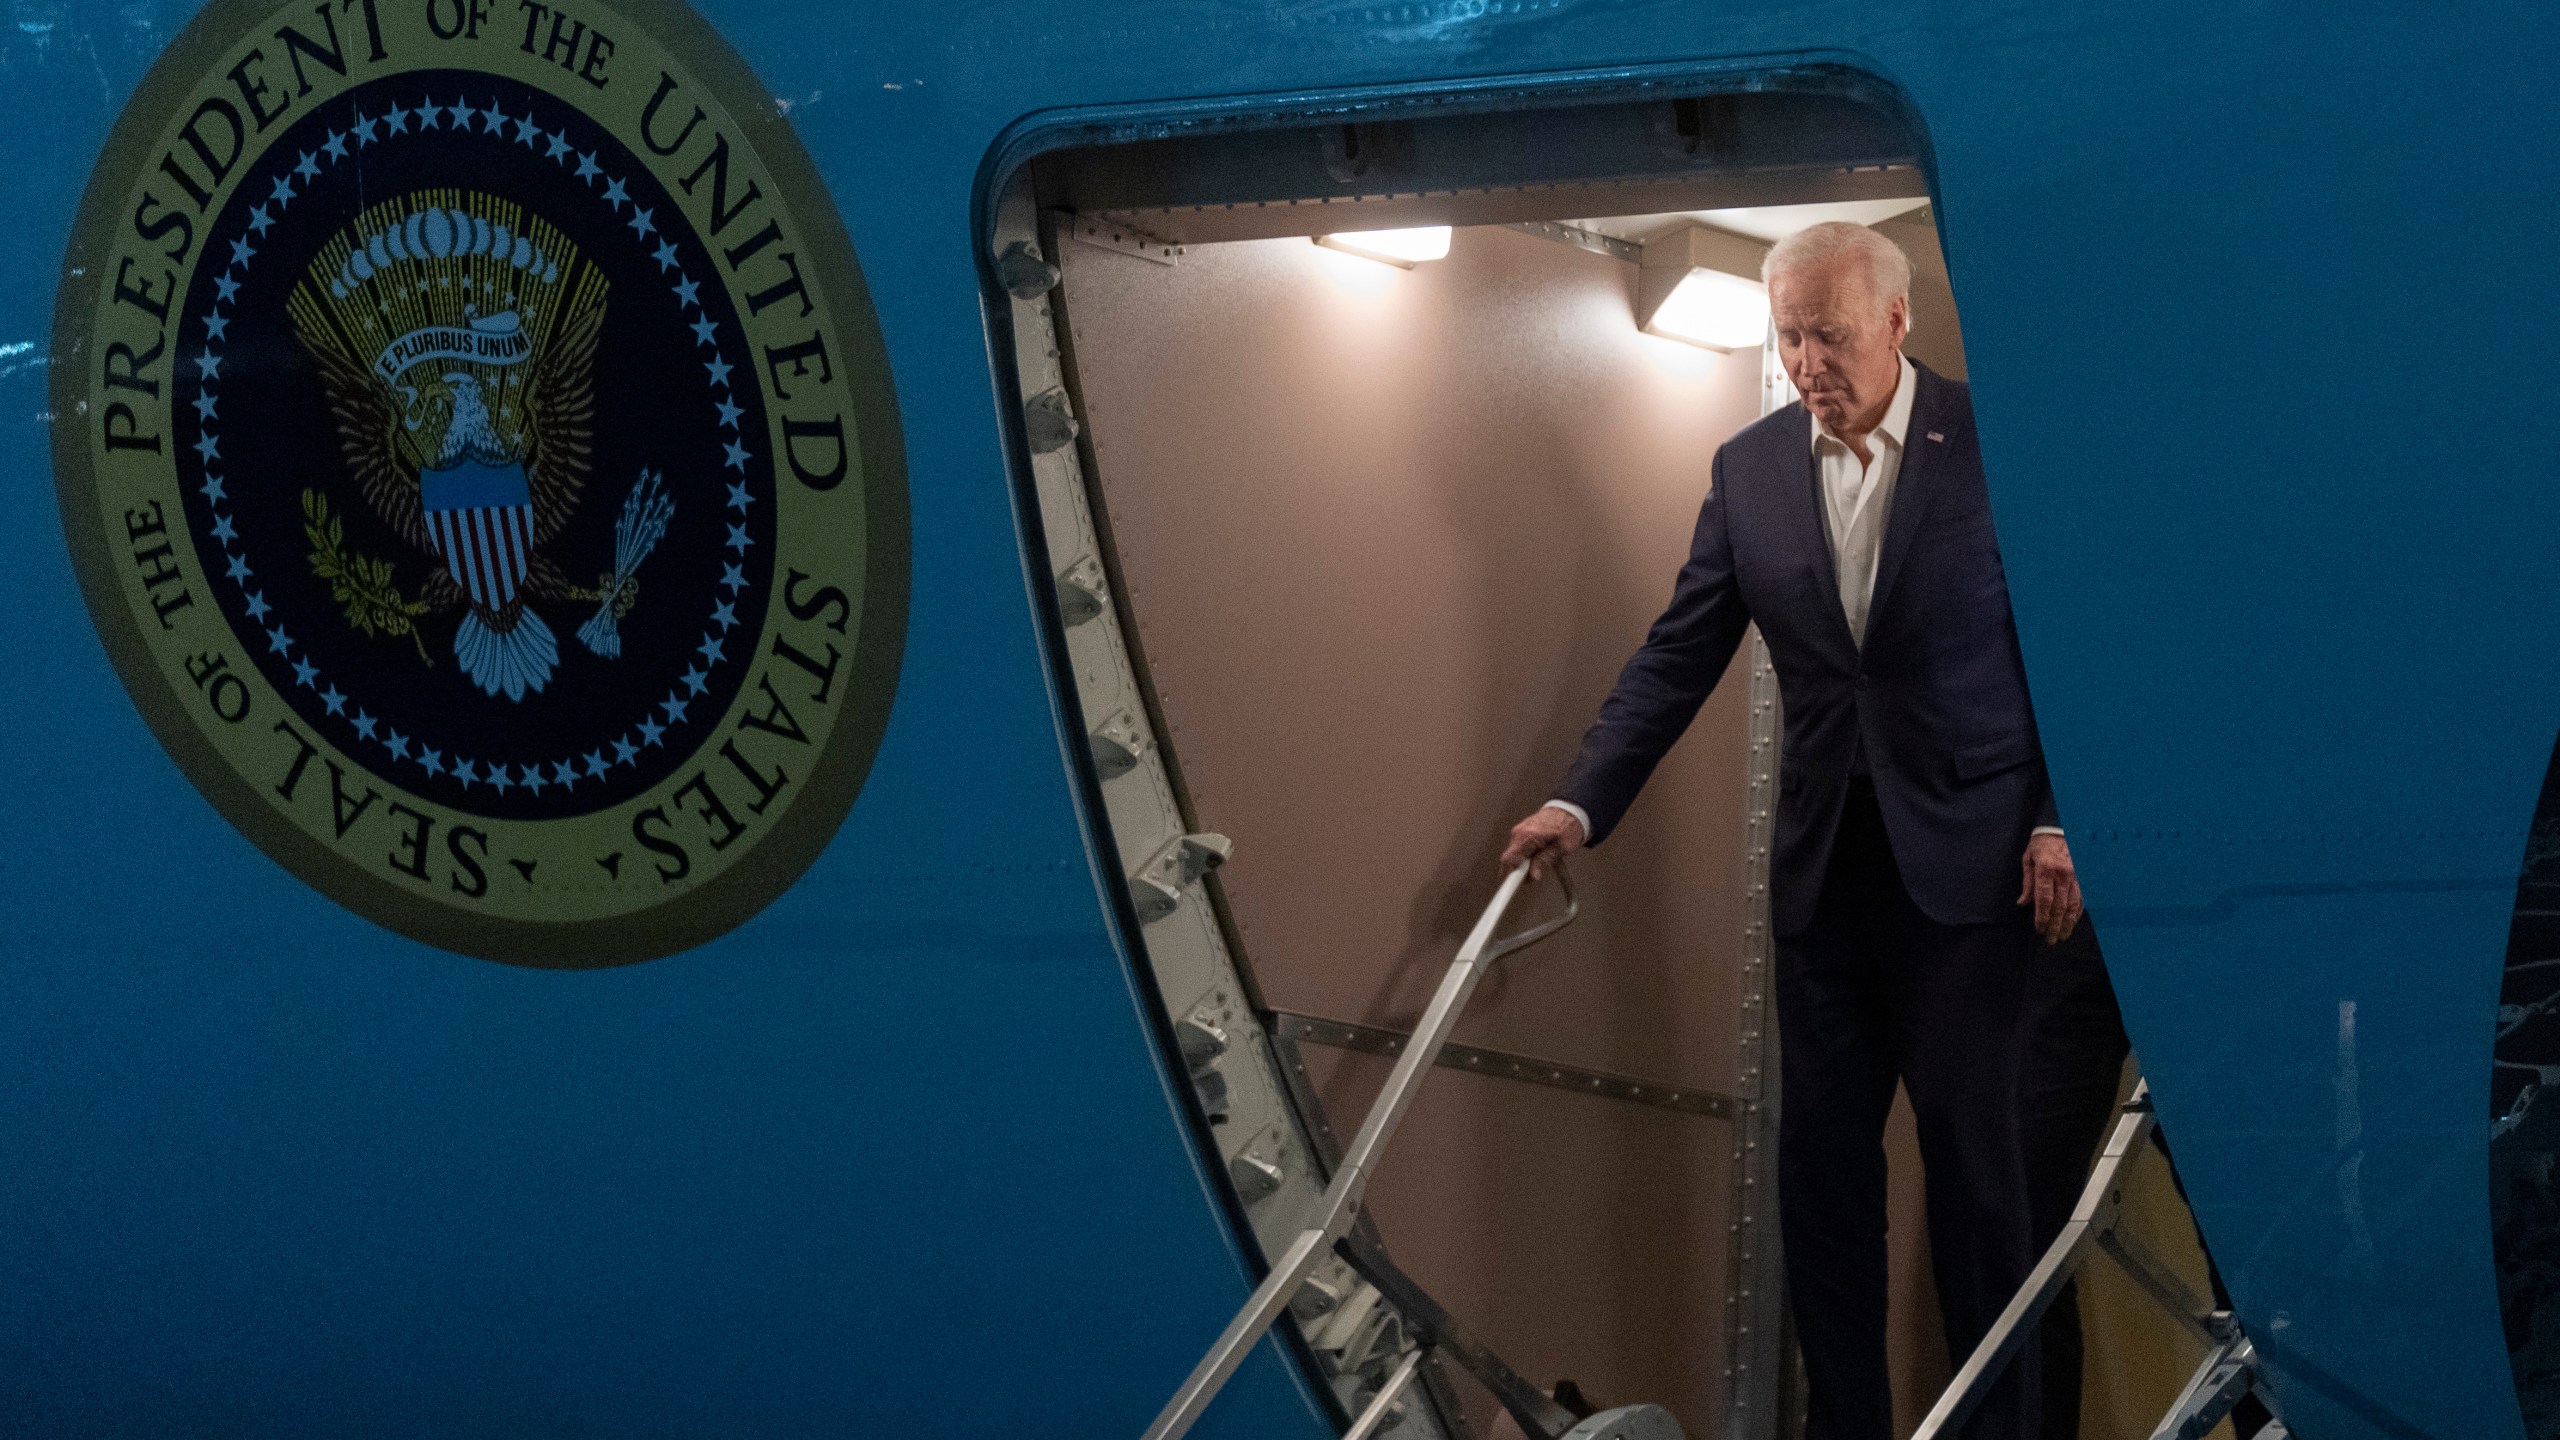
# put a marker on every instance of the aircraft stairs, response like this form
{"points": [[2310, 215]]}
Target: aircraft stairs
{"points": [[1332, 1229], [2227, 1374]]}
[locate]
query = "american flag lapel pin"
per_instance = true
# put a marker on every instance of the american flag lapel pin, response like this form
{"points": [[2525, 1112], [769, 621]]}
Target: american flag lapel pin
{"points": [[1934, 435]]}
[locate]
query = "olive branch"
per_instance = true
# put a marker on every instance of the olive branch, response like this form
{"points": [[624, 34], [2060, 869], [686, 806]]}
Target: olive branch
{"points": [[374, 605]]}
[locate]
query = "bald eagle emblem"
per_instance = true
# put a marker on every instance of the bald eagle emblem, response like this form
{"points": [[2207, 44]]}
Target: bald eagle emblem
{"points": [[456, 338]]}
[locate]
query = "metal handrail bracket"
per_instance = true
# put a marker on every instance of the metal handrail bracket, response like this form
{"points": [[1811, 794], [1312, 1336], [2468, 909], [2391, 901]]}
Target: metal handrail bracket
{"points": [[1383, 1403], [1340, 1204]]}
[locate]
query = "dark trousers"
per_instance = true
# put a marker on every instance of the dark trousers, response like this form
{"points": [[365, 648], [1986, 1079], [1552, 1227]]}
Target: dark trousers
{"points": [[2075, 1057], [1871, 992]]}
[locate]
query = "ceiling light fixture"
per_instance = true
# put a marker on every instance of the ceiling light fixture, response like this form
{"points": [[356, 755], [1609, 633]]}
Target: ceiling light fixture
{"points": [[1703, 286], [1404, 248]]}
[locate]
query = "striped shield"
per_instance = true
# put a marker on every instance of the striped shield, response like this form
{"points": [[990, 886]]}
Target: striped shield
{"points": [[481, 519]]}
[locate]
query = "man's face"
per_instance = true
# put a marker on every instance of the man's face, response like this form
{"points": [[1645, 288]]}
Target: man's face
{"points": [[1842, 351]]}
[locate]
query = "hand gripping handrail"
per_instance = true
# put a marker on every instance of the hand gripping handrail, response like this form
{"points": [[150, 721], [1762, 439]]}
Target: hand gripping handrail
{"points": [[1340, 1203]]}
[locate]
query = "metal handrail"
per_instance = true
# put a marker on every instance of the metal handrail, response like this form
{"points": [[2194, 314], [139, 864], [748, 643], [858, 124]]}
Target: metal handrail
{"points": [[1340, 1204], [1384, 1402]]}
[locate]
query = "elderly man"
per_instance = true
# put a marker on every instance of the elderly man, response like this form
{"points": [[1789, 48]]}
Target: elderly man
{"points": [[1917, 851]]}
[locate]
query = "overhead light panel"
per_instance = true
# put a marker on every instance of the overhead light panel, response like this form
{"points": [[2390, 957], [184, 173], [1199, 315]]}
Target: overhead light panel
{"points": [[1405, 248], [1710, 308], [1703, 286]]}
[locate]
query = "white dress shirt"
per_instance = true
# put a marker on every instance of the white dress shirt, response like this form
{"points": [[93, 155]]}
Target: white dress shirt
{"points": [[1856, 499]]}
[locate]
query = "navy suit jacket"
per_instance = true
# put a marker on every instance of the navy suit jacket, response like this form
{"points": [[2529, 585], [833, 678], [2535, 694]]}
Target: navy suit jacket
{"points": [[1937, 697]]}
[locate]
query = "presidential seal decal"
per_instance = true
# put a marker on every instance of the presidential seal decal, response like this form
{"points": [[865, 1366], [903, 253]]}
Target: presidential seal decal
{"points": [[476, 448]]}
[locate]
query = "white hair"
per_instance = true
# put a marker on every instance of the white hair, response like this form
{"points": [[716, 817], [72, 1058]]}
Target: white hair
{"points": [[1888, 270]]}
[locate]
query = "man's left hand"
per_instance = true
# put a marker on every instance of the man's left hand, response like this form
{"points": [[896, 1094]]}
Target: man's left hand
{"points": [[2052, 887]]}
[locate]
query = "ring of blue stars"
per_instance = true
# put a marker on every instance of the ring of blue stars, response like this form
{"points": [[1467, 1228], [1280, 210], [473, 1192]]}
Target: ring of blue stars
{"points": [[363, 732]]}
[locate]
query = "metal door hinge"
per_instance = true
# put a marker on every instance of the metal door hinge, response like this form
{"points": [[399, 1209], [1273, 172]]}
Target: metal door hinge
{"points": [[1158, 885], [1049, 421], [1024, 273], [1083, 592], [1117, 743], [1259, 1169], [1202, 1040]]}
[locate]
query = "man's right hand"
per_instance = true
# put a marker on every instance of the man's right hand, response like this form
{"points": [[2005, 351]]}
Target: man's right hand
{"points": [[1544, 839]]}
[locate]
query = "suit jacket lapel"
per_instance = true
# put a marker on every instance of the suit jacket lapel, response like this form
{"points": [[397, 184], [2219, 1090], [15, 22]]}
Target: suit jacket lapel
{"points": [[1912, 487], [1813, 533]]}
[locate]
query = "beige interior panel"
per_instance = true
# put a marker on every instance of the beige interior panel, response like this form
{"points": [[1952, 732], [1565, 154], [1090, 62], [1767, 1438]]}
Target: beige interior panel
{"points": [[1387, 536], [1935, 339], [1915, 1340], [1611, 1263]]}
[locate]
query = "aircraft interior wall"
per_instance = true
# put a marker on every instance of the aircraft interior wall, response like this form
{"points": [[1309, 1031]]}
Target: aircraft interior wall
{"points": [[1383, 537]]}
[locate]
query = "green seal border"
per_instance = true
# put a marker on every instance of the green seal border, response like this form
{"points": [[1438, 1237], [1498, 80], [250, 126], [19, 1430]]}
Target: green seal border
{"points": [[872, 668]]}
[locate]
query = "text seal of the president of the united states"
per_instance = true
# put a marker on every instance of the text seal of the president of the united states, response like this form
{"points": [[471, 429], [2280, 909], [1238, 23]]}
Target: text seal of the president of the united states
{"points": [[476, 448]]}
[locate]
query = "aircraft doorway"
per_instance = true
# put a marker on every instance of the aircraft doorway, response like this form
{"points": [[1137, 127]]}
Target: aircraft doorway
{"points": [[1446, 501], [1350, 539]]}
